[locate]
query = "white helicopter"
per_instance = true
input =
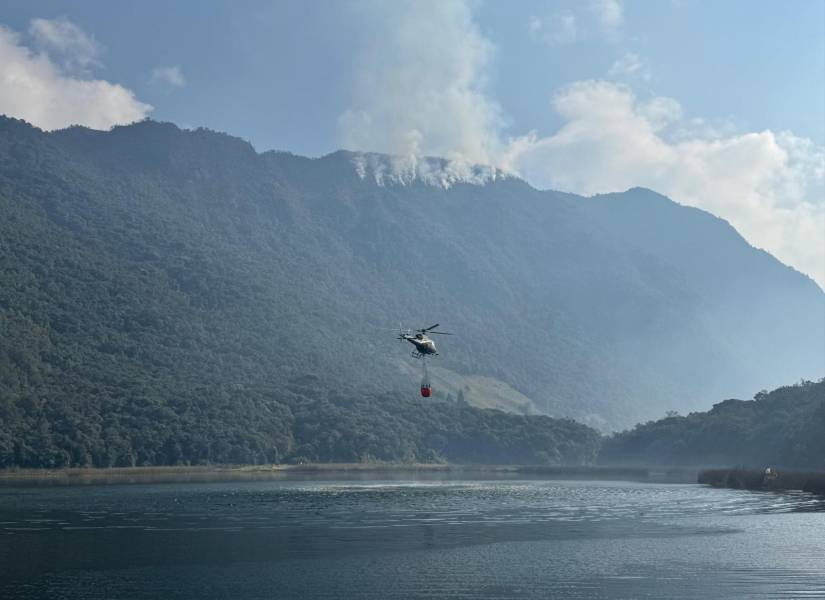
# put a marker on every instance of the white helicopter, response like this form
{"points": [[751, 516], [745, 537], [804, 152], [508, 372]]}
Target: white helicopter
{"points": [[424, 346]]}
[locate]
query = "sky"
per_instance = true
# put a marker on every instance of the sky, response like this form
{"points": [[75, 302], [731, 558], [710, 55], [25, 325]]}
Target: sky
{"points": [[719, 105]]}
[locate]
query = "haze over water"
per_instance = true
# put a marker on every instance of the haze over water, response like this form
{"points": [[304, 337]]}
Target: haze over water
{"points": [[410, 539]]}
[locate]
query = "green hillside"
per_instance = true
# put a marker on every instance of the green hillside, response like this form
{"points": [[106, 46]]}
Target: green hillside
{"points": [[782, 428], [161, 291]]}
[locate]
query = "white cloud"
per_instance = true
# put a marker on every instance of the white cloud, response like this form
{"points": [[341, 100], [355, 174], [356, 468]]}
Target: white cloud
{"points": [[66, 43], [47, 94], [561, 29], [768, 185], [420, 89], [630, 65], [603, 19], [660, 112], [169, 75], [609, 13]]}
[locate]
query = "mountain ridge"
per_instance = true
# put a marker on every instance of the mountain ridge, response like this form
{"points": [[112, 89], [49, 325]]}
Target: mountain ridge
{"points": [[592, 319], [387, 159]]}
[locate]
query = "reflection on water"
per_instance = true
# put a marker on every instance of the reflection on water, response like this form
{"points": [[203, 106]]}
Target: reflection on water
{"points": [[392, 539]]}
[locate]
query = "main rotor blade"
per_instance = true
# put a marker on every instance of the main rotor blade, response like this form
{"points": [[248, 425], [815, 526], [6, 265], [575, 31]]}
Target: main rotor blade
{"points": [[430, 327], [440, 333]]}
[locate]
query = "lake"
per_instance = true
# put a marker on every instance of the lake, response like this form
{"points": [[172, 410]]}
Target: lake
{"points": [[429, 538]]}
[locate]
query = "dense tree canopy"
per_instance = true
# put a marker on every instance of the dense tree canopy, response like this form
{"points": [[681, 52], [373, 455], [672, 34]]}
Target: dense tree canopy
{"points": [[164, 294], [785, 427]]}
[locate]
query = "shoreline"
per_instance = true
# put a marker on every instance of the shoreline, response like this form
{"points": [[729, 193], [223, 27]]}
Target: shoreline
{"points": [[758, 480], [321, 471]]}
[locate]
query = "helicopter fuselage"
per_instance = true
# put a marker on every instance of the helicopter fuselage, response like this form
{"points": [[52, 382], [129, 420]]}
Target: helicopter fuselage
{"points": [[422, 343]]}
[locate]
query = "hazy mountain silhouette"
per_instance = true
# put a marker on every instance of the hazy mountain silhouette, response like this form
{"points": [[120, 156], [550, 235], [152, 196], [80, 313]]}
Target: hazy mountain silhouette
{"points": [[149, 258]]}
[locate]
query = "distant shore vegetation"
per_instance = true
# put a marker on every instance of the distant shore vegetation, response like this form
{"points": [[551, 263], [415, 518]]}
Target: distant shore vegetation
{"points": [[764, 479], [782, 428]]}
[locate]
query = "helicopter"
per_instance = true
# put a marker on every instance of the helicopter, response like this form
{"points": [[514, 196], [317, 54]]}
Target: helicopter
{"points": [[424, 346]]}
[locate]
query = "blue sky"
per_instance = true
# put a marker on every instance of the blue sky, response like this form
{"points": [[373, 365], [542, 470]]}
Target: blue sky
{"points": [[279, 73], [717, 104]]}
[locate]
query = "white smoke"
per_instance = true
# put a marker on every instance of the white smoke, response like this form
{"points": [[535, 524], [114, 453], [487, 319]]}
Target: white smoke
{"points": [[420, 89], [386, 169]]}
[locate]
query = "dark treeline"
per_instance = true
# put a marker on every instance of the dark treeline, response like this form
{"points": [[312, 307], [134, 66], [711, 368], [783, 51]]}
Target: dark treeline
{"points": [[782, 428], [299, 423], [759, 479]]}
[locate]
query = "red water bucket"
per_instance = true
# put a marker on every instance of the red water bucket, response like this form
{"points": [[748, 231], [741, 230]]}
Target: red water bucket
{"points": [[425, 391]]}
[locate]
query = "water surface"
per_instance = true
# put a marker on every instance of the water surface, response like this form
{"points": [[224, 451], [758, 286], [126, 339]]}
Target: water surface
{"points": [[410, 539]]}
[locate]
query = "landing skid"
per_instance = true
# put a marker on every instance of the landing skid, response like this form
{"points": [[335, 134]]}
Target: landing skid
{"points": [[419, 355]]}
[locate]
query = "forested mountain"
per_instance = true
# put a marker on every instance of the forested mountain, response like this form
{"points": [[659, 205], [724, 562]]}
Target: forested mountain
{"points": [[155, 282], [782, 428]]}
